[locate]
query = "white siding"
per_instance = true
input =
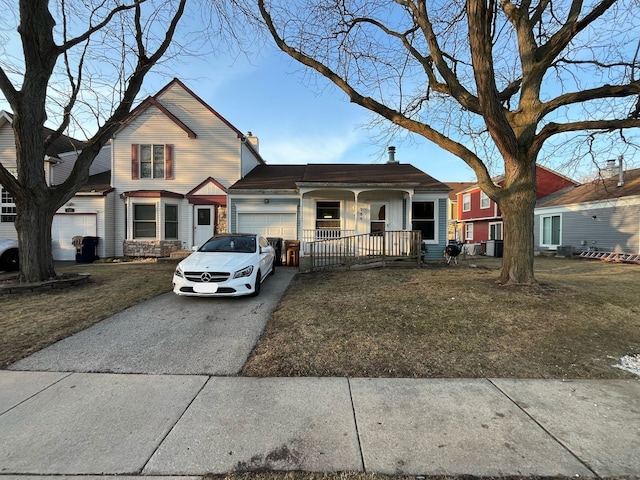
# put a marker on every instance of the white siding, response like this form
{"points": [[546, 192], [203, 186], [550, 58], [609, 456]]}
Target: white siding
{"points": [[249, 161], [62, 170], [100, 206], [215, 152], [7, 146]]}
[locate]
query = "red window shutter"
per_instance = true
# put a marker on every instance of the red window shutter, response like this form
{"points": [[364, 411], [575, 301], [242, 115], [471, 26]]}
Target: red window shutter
{"points": [[168, 162], [135, 167]]}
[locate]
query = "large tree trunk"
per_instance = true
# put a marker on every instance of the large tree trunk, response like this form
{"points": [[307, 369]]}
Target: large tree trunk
{"points": [[517, 205], [34, 234]]}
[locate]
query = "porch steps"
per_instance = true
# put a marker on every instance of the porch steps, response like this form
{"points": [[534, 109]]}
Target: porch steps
{"points": [[611, 256]]}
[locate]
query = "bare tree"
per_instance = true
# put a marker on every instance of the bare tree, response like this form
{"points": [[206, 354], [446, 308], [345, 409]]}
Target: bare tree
{"points": [[130, 37], [514, 73]]}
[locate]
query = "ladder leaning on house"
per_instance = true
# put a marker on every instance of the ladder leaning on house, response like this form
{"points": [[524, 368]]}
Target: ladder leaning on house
{"points": [[611, 256]]}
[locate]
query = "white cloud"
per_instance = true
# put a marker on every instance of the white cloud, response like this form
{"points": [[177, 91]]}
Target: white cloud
{"points": [[302, 149]]}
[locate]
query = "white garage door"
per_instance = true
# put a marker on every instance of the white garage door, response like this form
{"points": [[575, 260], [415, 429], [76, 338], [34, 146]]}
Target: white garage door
{"points": [[67, 226], [280, 225]]}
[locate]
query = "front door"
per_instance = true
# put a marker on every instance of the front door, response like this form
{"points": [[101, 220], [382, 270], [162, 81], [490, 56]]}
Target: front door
{"points": [[204, 222]]}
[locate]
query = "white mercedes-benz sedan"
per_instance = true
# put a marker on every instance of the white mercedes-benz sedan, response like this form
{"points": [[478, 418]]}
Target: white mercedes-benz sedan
{"points": [[230, 265]]}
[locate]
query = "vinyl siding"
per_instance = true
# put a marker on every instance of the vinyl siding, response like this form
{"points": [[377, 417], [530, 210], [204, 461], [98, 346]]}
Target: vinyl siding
{"points": [[215, 152], [435, 252], [98, 205], [616, 227], [61, 171], [7, 147]]}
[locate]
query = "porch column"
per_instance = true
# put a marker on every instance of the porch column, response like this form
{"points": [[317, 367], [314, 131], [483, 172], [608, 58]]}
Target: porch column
{"points": [[409, 210], [356, 212]]}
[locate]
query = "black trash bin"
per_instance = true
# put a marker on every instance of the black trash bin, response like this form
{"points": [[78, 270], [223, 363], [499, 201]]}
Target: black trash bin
{"points": [[276, 243], [499, 247], [88, 252]]}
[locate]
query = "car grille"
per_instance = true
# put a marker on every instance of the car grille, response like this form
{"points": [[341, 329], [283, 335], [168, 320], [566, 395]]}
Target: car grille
{"points": [[216, 277], [223, 290]]}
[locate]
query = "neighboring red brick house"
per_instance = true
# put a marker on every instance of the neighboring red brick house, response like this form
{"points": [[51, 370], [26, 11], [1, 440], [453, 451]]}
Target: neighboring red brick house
{"points": [[480, 219]]}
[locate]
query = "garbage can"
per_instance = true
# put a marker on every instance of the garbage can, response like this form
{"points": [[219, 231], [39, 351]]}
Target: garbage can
{"points": [[88, 250], [293, 252], [499, 247], [276, 243]]}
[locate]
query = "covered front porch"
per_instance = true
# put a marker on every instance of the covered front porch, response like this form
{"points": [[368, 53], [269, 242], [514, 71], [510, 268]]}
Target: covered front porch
{"points": [[330, 214]]}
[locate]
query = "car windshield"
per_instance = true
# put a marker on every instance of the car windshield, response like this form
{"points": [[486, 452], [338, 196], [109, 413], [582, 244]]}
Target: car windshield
{"points": [[230, 244]]}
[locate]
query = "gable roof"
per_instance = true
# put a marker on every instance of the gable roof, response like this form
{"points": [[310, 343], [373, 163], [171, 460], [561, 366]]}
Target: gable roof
{"points": [[597, 190], [60, 145], [457, 187], [153, 101], [98, 183], [290, 177], [499, 180]]}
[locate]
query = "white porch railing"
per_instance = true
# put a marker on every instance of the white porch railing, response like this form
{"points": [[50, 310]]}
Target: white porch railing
{"points": [[325, 234], [347, 250]]}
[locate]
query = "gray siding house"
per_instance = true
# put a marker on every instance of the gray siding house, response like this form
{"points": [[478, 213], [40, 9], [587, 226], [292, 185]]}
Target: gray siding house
{"points": [[603, 215]]}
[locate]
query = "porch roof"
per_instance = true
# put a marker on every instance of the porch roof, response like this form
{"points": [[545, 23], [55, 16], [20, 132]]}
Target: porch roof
{"points": [[277, 177]]}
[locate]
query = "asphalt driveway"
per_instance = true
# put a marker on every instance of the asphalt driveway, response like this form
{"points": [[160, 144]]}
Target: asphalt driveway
{"points": [[168, 335]]}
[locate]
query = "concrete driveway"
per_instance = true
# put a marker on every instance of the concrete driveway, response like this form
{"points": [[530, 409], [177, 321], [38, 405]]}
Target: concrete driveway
{"points": [[168, 335]]}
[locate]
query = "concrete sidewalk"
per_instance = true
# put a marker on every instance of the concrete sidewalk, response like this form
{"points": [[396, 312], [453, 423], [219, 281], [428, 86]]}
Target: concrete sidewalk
{"points": [[56, 423]]}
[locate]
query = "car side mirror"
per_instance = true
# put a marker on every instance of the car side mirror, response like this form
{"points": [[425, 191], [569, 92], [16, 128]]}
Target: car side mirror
{"points": [[194, 248]]}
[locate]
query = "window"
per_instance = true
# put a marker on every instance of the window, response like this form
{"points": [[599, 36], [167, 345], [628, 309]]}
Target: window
{"points": [[485, 201], [495, 231], [7, 203], [144, 221], [468, 231], [423, 218], [170, 221], [377, 218], [328, 218], [152, 161], [466, 202], [551, 230]]}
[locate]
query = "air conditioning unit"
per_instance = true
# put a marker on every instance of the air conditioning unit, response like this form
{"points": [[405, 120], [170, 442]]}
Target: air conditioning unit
{"points": [[564, 251]]}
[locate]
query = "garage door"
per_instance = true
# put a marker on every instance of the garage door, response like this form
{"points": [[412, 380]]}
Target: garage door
{"points": [[67, 226], [280, 225]]}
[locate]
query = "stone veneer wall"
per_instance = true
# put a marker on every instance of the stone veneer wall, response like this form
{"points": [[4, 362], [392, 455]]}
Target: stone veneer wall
{"points": [[221, 226], [151, 248]]}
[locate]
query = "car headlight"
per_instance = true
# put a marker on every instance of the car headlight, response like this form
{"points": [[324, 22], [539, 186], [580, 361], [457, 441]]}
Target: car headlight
{"points": [[245, 272], [179, 272]]}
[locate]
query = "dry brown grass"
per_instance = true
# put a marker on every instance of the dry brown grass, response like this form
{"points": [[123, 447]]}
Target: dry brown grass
{"points": [[455, 322], [34, 321]]}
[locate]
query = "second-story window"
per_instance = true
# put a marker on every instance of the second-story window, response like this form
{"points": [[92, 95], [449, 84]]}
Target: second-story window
{"points": [[485, 201], [466, 202], [151, 161]]}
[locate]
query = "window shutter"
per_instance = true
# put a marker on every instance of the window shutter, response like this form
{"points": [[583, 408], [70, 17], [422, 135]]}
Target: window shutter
{"points": [[135, 167], [168, 159]]}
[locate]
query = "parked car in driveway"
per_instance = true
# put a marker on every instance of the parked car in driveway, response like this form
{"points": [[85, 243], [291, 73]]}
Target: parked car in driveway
{"points": [[9, 261], [226, 265]]}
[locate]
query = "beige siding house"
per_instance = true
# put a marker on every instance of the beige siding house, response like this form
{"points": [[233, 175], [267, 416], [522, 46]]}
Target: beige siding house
{"points": [[173, 160], [86, 215]]}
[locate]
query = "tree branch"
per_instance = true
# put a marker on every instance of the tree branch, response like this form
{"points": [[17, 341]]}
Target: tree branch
{"points": [[552, 128], [605, 91], [370, 104]]}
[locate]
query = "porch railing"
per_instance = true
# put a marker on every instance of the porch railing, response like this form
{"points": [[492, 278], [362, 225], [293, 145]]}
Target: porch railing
{"points": [[374, 249]]}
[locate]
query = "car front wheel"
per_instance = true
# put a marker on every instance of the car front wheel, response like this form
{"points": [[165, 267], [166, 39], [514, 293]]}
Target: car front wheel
{"points": [[9, 261], [256, 287]]}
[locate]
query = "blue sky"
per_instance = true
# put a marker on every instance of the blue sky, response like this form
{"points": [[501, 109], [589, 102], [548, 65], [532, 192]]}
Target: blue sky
{"points": [[298, 119]]}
